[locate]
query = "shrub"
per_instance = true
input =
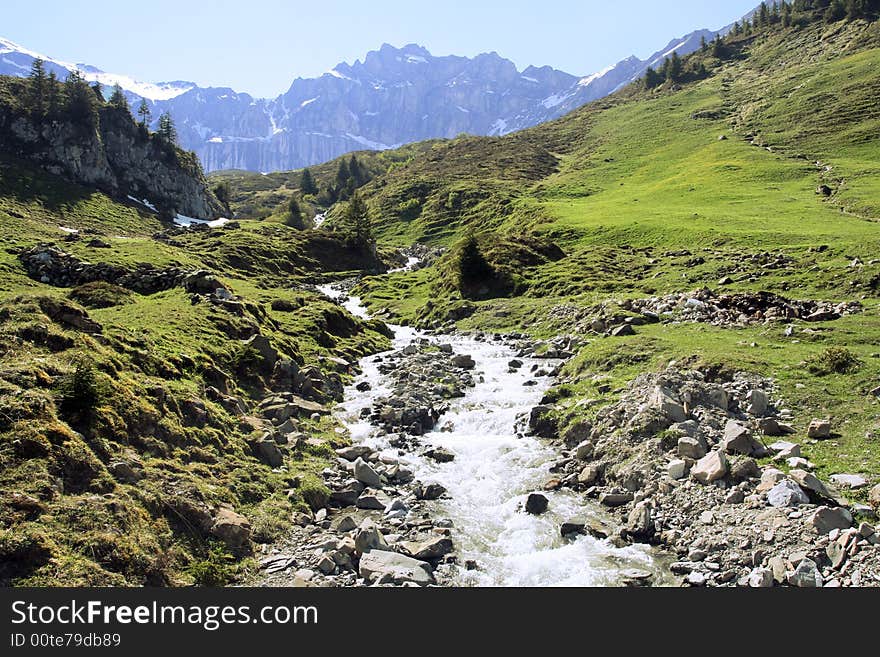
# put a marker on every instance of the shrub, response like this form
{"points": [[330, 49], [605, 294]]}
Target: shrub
{"points": [[79, 391], [835, 360], [215, 569]]}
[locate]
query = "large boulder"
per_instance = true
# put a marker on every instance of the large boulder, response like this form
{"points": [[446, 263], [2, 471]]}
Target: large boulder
{"points": [[537, 504], [393, 568], [874, 497], [542, 423], [369, 538], [710, 468], [819, 430], [431, 549]]}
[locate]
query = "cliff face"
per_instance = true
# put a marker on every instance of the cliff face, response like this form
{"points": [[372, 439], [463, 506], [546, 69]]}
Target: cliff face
{"points": [[117, 158]]}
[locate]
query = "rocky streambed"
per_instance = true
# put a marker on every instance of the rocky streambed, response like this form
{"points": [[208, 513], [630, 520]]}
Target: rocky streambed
{"points": [[444, 483]]}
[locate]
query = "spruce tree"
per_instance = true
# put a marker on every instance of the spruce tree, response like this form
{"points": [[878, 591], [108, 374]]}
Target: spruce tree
{"points": [[118, 100], [53, 95], [38, 88], [652, 78], [81, 102], [167, 130], [357, 222], [355, 171], [342, 175], [145, 113], [307, 184], [673, 71], [295, 214]]}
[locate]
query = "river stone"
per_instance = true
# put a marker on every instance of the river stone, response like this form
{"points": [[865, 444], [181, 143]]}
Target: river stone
{"points": [[584, 451], [589, 475], [825, 520], [787, 493], [369, 538], [365, 474], [710, 468], [429, 492], [806, 575], [373, 500], [431, 549], [344, 524], [354, 452], [769, 478], [537, 504], [464, 362], [441, 455], [615, 499], [394, 568]]}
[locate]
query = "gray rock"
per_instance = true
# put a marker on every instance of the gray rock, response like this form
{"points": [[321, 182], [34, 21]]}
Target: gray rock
{"points": [[343, 524], [440, 455], [429, 492], [811, 484], [269, 453], [431, 549], [615, 499], [369, 538], [710, 468], [354, 452], [761, 578], [464, 362], [584, 451], [738, 440], [365, 474], [806, 575], [825, 520], [787, 493], [394, 568], [372, 500], [758, 403], [692, 448], [676, 469], [853, 482]]}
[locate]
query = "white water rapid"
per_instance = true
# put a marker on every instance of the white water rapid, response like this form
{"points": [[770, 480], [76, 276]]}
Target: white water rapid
{"points": [[494, 471]]}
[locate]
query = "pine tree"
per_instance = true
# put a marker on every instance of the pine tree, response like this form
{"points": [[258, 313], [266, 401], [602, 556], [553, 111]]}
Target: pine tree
{"points": [[342, 175], [307, 184], [295, 214], [652, 78], [53, 95], [118, 100], [98, 90], [357, 222], [38, 88], [356, 172], [145, 113], [167, 130], [718, 49], [704, 45], [673, 71], [81, 102]]}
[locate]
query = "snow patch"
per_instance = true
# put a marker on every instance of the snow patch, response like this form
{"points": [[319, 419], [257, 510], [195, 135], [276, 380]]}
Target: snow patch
{"points": [[183, 220], [308, 102], [583, 82]]}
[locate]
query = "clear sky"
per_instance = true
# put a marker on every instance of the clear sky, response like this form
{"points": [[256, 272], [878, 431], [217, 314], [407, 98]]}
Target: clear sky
{"points": [[260, 46]]}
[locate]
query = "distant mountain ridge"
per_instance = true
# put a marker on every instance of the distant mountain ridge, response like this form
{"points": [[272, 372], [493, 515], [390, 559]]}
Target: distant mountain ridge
{"points": [[393, 97]]}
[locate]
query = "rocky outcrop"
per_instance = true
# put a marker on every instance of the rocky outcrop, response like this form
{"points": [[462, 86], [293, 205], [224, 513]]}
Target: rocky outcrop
{"points": [[118, 158]]}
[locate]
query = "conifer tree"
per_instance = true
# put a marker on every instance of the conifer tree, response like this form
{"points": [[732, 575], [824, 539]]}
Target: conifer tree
{"points": [[673, 68], [167, 129], [145, 113], [307, 184], [38, 88], [81, 103], [118, 100], [295, 214], [357, 222], [53, 95], [653, 78], [473, 268]]}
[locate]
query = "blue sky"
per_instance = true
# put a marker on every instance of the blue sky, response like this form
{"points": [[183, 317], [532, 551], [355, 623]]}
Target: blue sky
{"points": [[260, 46]]}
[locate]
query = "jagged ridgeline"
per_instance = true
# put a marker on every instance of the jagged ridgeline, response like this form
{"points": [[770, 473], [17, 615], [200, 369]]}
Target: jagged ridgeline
{"points": [[164, 391]]}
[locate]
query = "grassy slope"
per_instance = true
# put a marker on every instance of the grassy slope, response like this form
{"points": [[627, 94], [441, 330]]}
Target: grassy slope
{"points": [[641, 176], [151, 358]]}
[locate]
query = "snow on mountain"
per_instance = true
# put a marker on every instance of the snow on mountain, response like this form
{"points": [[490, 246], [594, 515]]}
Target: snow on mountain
{"points": [[17, 60]]}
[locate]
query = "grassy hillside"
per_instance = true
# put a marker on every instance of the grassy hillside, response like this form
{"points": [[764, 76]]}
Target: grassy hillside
{"points": [[129, 419], [761, 172]]}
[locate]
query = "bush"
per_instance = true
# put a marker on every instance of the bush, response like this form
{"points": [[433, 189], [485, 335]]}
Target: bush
{"points": [[79, 392], [314, 493], [835, 360], [216, 569]]}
